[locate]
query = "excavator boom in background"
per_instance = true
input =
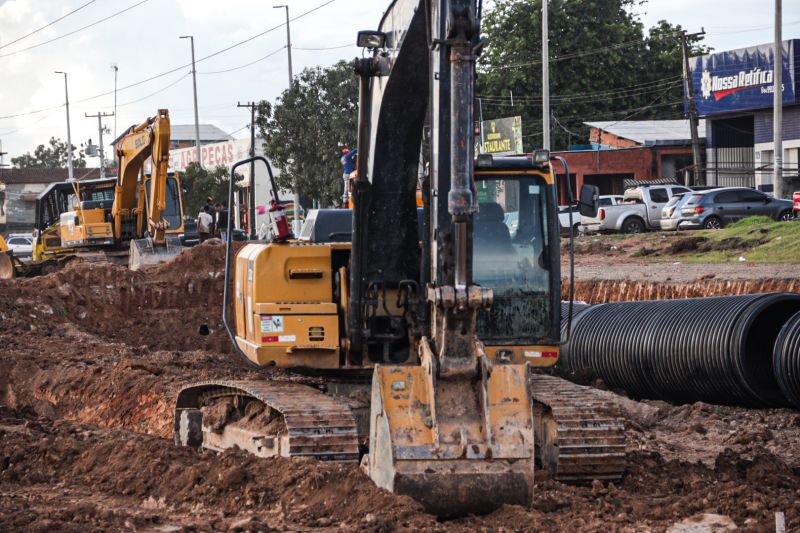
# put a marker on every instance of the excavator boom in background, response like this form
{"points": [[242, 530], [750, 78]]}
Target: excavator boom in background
{"points": [[441, 317], [144, 215]]}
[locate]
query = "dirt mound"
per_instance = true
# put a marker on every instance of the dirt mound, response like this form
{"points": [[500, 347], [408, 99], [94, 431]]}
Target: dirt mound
{"points": [[220, 489], [600, 291]]}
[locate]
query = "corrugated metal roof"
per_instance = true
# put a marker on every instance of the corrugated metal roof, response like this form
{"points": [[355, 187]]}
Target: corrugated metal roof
{"points": [[48, 175], [208, 132], [651, 131]]}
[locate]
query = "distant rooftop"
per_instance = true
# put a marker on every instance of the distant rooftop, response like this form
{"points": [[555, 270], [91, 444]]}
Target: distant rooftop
{"points": [[650, 132], [208, 132]]}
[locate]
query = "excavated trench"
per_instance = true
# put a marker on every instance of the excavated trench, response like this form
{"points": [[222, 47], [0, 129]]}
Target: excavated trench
{"points": [[93, 356]]}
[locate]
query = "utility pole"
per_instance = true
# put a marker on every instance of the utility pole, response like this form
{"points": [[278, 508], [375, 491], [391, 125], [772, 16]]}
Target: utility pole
{"points": [[288, 41], [688, 90], [196, 118], [70, 173], [100, 115], [779, 188], [116, 68], [296, 201], [251, 209], [545, 80]]}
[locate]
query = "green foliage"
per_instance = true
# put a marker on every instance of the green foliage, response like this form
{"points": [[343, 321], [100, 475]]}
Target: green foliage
{"points": [[750, 222], [602, 67], [200, 184], [308, 127], [52, 156]]}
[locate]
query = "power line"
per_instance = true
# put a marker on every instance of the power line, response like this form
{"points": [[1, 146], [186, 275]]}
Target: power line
{"points": [[246, 64], [74, 31], [324, 47], [168, 72], [590, 52], [37, 30]]}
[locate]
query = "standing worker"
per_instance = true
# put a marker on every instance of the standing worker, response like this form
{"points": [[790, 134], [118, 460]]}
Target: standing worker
{"points": [[204, 223], [221, 223], [349, 163]]}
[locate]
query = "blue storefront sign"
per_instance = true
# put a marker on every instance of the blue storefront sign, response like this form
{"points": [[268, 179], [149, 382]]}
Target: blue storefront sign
{"points": [[743, 79]]}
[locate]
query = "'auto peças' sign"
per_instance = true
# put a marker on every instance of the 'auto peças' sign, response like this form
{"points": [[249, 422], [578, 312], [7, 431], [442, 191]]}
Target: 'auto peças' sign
{"points": [[743, 79]]}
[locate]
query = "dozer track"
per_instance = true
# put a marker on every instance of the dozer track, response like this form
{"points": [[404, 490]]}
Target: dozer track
{"points": [[316, 425], [579, 436]]}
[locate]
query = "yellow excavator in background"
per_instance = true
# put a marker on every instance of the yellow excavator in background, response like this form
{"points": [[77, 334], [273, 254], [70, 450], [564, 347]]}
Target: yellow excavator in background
{"points": [[420, 334], [137, 215]]}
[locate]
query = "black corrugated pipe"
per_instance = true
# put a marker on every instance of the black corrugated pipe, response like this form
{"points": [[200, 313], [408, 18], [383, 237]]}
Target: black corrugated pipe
{"points": [[786, 360], [717, 350]]}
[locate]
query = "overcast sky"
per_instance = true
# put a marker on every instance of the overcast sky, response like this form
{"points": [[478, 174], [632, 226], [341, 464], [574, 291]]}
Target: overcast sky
{"points": [[143, 42]]}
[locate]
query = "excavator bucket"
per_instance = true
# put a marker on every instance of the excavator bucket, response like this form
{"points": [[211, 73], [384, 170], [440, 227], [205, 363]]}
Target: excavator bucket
{"points": [[458, 446], [145, 253], [7, 270]]}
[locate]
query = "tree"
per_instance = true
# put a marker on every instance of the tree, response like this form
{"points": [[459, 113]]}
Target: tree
{"points": [[54, 156], [307, 128], [201, 183], [602, 66]]}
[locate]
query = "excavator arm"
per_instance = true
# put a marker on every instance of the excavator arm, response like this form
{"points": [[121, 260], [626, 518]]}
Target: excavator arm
{"points": [[148, 140]]}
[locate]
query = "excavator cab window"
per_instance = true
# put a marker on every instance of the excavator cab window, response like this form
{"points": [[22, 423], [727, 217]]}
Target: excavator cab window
{"points": [[511, 256], [172, 213]]}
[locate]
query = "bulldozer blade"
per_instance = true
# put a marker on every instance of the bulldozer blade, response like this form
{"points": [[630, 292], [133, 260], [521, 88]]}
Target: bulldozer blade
{"points": [[145, 253], [458, 447], [7, 270]]}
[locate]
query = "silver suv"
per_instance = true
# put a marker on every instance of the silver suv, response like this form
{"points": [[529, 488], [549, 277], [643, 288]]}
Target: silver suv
{"points": [[714, 208]]}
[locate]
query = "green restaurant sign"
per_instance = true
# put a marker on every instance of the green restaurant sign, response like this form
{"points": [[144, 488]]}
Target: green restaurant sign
{"points": [[501, 136]]}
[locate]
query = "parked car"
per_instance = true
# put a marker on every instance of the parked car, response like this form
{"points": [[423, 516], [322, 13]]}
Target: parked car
{"points": [[715, 208], [20, 243], [603, 201], [671, 213], [563, 218], [796, 204], [639, 211]]}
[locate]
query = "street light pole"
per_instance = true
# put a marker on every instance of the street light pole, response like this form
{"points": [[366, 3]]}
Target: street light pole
{"points": [[196, 118], [116, 68], [296, 201], [288, 41], [779, 187], [69, 135], [545, 80]]}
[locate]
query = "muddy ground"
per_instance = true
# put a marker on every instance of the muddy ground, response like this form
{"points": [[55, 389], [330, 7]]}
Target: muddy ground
{"points": [[91, 359]]}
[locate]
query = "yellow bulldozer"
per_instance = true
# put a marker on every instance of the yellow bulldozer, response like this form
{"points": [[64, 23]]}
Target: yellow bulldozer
{"points": [[418, 337]]}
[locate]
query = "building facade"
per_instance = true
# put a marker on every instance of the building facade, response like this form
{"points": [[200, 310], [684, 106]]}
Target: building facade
{"points": [[734, 90], [19, 188]]}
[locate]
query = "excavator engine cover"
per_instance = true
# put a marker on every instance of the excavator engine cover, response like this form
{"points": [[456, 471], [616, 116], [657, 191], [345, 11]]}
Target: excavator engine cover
{"points": [[459, 447], [145, 253]]}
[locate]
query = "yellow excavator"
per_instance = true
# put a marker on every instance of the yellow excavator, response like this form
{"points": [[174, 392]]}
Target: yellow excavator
{"points": [[144, 213], [415, 342]]}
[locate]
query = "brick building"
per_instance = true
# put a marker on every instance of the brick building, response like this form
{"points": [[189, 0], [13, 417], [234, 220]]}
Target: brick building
{"points": [[621, 152]]}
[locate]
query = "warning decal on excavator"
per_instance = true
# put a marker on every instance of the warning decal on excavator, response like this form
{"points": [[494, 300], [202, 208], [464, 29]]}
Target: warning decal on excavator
{"points": [[279, 338], [271, 323]]}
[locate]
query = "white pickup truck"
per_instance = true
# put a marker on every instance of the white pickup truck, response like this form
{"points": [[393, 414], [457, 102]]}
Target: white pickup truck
{"points": [[639, 211]]}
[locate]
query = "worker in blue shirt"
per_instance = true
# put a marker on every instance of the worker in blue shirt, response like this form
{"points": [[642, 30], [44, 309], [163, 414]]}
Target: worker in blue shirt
{"points": [[349, 163]]}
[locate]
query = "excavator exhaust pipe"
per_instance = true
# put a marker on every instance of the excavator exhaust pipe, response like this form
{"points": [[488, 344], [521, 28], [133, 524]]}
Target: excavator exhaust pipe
{"points": [[7, 270], [145, 253]]}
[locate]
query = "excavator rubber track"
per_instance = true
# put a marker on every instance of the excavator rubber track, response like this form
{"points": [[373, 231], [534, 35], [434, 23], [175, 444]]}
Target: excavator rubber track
{"points": [[317, 425], [580, 437]]}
